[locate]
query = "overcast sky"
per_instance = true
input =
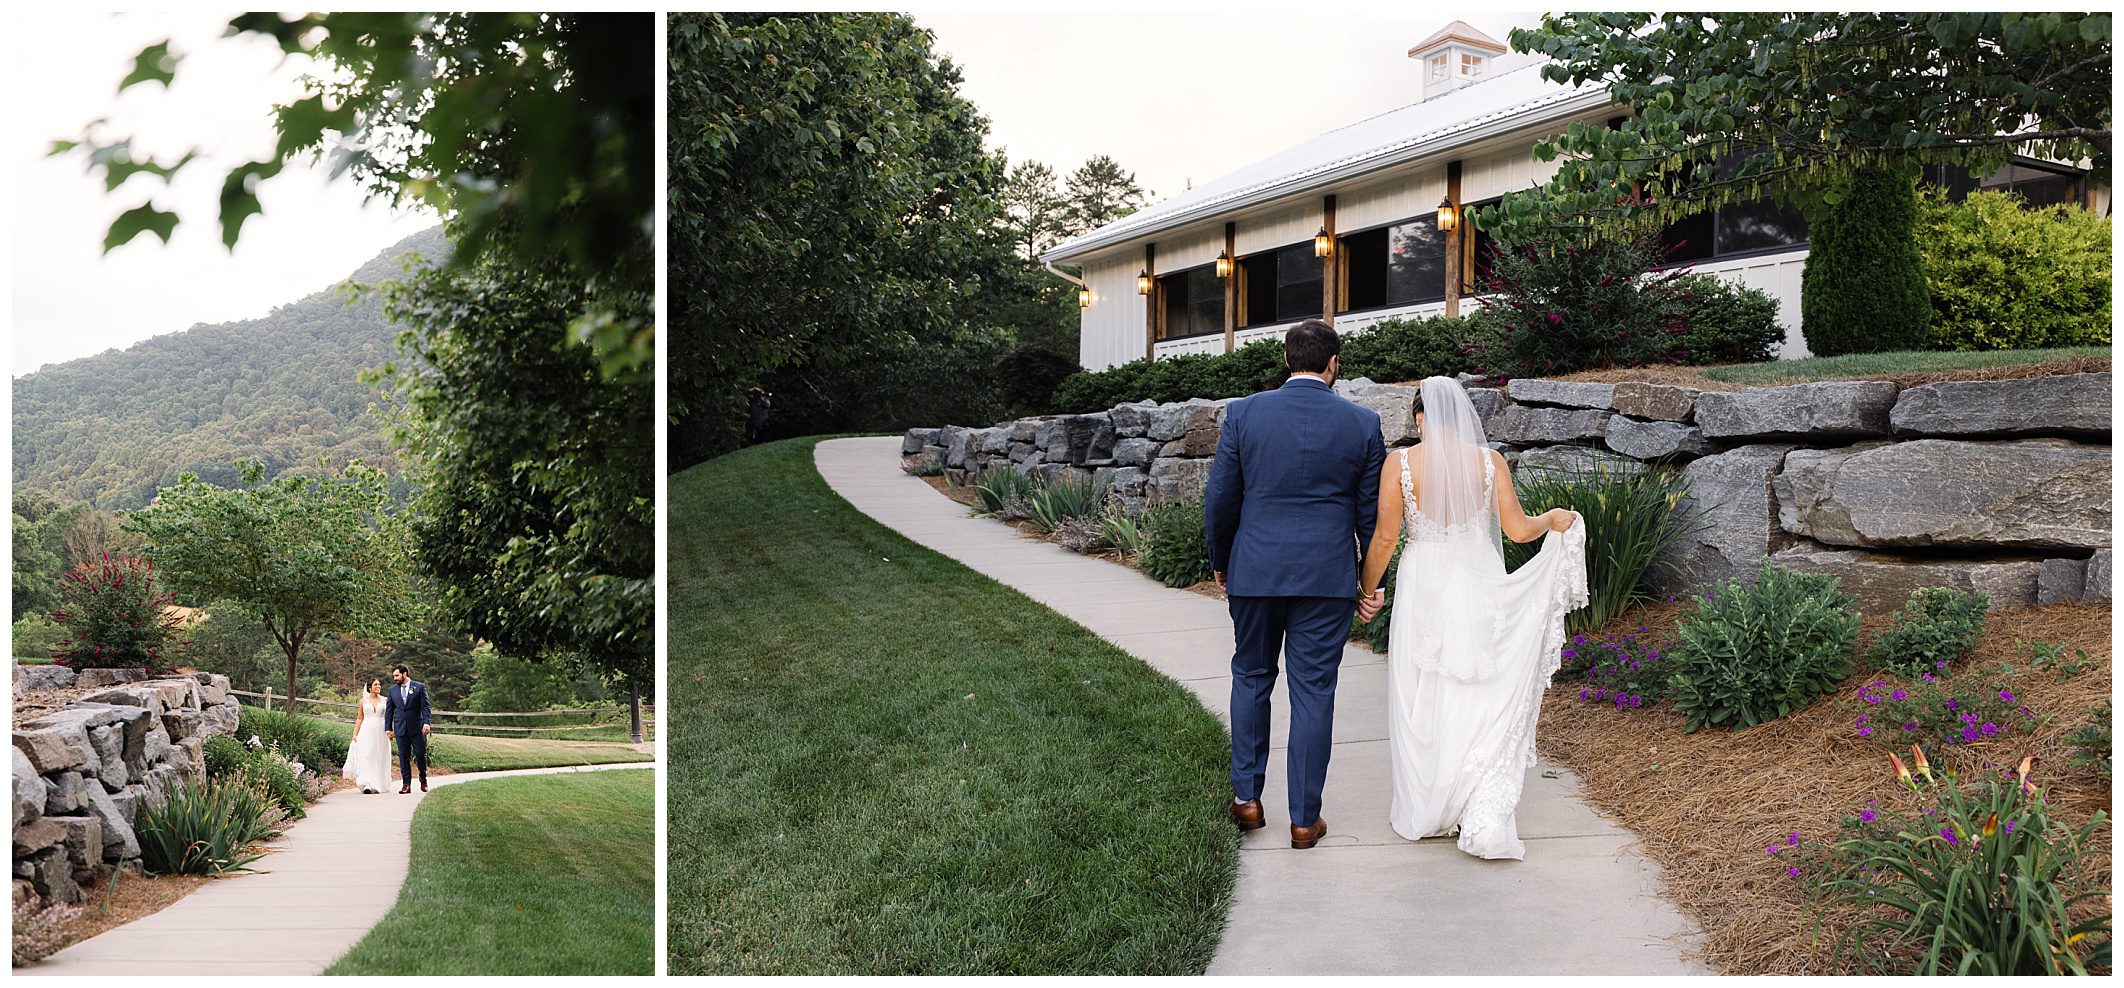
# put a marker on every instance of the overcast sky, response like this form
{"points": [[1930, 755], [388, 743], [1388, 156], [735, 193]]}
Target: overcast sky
{"points": [[69, 299], [1186, 96]]}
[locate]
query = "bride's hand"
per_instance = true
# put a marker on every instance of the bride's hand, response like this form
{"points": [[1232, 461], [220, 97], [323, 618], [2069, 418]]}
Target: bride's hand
{"points": [[1561, 519]]}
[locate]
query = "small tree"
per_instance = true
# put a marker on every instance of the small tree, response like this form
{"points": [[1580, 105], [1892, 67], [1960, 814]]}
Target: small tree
{"points": [[115, 618], [302, 555], [1863, 290], [1572, 303]]}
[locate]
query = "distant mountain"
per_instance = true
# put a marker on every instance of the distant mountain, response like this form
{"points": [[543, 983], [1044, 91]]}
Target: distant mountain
{"points": [[282, 389]]}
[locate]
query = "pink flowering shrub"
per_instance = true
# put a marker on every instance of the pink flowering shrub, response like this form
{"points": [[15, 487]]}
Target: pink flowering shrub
{"points": [[115, 618]]}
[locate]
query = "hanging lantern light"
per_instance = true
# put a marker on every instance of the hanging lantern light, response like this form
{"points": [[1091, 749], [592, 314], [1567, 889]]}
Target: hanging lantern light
{"points": [[1323, 243], [1084, 298], [1448, 215], [1143, 282], [1224, 264]]}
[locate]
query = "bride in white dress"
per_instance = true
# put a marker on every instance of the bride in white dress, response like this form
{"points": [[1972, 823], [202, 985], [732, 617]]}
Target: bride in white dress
{"points": [[1470, 647], [369, 755]]}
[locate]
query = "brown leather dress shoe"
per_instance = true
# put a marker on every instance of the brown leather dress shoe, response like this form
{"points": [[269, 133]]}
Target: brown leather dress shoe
{"points": [[402, 790], [423, 785], [1248, 815], [1305, 837]]}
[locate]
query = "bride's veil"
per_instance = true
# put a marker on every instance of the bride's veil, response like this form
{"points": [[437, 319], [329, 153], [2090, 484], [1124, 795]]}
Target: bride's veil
{"points": [[1455, 459]]}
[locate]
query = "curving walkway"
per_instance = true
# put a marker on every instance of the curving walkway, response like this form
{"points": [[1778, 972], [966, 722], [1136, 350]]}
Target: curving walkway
{"points": [[1364, 901], [331, 877]]}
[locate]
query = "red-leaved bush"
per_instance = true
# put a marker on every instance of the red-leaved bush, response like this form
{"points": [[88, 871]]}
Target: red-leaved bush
{"points": [[115, 618]]}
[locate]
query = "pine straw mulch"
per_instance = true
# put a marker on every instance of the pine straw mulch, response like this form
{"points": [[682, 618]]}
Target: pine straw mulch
{"points": [[1706, 805], [134, 897], [1692, 377]]}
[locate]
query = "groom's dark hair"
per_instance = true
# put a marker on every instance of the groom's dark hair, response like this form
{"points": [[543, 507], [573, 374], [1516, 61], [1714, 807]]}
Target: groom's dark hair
{"points": [[401, 667], [1309, 346]]}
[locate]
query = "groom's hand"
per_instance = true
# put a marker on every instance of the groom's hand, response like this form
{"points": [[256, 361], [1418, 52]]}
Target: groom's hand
{"points": [[1368, 607], [390, 736], [1220, 579], [424, 730]]}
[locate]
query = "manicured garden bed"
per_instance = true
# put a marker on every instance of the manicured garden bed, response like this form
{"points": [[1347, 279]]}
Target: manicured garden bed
{"points": [[1707, 806], [544, 874], [886, 763]]}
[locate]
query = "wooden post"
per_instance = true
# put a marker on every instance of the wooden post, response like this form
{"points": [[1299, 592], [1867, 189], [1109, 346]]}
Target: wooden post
{"points": [[634, 725], [1150, 303], [1327, 264], [1231, 286], [1460, 223]]}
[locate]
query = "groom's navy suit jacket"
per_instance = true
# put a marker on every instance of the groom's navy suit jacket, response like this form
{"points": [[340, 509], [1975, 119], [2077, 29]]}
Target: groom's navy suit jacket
{"points": [[408, 715], [1293, 492]]}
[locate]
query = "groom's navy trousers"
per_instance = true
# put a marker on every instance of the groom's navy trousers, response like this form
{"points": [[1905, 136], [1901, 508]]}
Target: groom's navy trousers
{"points": [[1292, 496]]}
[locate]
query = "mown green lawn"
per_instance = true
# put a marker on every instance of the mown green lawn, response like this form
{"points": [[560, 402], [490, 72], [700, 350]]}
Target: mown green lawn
{"points": [[460, 753], [885, 763], [1860, 365], [543, 874]]}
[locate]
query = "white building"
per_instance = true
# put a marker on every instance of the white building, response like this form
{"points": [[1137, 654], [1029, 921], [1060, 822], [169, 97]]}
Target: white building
{"points": [[1347, 226]]}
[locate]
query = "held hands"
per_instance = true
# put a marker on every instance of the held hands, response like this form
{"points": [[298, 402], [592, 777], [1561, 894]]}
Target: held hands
{"points": [[424, 730], [1368, 605], [1220, 579], [390, 735]]}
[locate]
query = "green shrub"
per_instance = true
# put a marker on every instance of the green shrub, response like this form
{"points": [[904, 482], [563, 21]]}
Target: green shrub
{"points": [[2091, 741], [2050, 657], [1028, 375], [1565, 305], [1175, 547], [1629, 519], [1749, 655], [1962, 880], [115, 618], [37, 636], [225, 756], [1724, 322], [1935, 629], [1405, 350], [1065, 498], [2004, 275], [206, 827], [1863, 290], [302, 738]]}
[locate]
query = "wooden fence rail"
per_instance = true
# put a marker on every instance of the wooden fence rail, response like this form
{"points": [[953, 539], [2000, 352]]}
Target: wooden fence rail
{"points": [[648, 715]]}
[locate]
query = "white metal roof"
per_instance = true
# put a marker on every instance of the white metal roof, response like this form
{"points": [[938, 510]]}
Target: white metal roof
{"points": [[1500, 104]]}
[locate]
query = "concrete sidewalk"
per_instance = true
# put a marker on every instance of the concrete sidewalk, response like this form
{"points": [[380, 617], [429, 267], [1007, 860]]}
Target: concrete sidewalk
{"points": [[1364, 901], [331, 877]]}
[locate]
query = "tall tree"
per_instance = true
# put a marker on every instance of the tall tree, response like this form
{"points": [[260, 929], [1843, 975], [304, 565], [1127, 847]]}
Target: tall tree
{"points": [[301, 555], [533, 473], [1100, 192], [1034, 209], [1731, 107], [533, 132], [831, 208]]}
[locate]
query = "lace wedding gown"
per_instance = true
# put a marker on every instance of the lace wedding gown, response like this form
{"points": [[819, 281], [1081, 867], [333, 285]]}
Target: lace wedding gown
{"points": [[1470, 651], [369, 754]]}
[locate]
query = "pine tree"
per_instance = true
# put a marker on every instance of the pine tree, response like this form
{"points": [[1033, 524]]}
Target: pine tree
{"points": [[1100, 193], [1863, 290]]}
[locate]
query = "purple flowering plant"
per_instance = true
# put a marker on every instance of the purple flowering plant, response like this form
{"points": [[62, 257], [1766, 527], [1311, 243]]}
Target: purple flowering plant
{"points": [[1980, 705], [1624, 671]]}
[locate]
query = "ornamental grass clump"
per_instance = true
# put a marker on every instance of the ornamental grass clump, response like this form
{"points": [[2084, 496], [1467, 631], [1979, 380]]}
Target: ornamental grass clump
{"points": [[1629, 519], [1750, 655], [1051, 503], [1122, 528], [1002, 492], [1934, 629], [207, 827], [1962, 879]]}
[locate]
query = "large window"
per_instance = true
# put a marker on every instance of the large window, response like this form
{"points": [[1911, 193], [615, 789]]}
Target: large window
{"points": [[1400, 264], [1282, 285], [2041, 184], [1191, 303]]}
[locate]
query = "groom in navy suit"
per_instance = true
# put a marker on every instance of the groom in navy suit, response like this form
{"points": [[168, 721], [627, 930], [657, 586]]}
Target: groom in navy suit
{"points": [[1291, 501], [406, 721]]}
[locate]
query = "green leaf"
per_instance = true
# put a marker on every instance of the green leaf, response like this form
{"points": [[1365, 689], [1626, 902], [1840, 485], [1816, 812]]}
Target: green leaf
{"points": [[140, 219], [153, 64]]}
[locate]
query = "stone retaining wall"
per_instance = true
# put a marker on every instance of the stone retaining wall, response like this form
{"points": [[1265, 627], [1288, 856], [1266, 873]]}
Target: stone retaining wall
{"points": [[81, 773], [1996, 486]]}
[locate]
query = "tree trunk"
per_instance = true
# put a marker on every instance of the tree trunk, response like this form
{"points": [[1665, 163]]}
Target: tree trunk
{"points": [[634, 691], [291, 679]]}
